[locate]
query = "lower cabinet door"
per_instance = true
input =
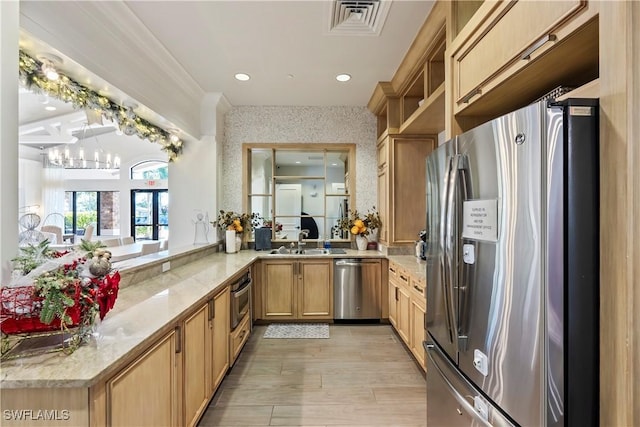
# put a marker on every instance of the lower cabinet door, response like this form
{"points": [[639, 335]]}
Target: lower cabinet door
{"points": [[278, 289], [393, 304], [417, 331], [403, 314], [315, 290], [197, 338], [220, 319], [146, 393]]}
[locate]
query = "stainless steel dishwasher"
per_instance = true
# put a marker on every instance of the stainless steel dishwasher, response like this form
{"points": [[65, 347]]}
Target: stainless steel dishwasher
{"points": [[356, 289]]}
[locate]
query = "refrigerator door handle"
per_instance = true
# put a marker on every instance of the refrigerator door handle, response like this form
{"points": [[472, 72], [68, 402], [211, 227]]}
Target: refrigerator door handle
{"points": [[449, 254], [467, 406], [445, 282], [463, 297]]}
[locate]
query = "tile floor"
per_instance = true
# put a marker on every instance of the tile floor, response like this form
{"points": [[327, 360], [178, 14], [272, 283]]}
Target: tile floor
{"points": [[361, 376]]}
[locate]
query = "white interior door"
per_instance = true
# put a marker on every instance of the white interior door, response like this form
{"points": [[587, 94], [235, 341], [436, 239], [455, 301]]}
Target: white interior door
{"points": [[289, 202]]}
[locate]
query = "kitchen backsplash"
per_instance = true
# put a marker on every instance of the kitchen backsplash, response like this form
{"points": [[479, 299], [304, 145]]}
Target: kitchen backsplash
{"points": [[276, 124]]}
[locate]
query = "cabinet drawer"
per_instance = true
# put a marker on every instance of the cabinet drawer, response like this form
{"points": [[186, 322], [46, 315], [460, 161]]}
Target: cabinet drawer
{"points": [[394, 272], [418, 288], [238, 337], [510, 30]]}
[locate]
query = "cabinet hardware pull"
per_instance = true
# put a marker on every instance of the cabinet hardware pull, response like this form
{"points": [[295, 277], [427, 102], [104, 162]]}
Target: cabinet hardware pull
{"points": [[526, 55], [418, 288], [465, 99], [404, 278], [396, 294], [212, 309], [391, 269], [178, 332]]}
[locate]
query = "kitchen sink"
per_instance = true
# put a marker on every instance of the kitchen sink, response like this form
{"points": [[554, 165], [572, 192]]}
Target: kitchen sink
{"points": [[284, 251]]}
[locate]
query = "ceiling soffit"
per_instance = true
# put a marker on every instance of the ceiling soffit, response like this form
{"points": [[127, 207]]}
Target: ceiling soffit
{"points": [[129, 57]]}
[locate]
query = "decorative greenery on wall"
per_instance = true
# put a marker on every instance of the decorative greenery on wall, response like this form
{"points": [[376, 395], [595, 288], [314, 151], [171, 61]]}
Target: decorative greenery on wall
{"points": [[68, 90]]}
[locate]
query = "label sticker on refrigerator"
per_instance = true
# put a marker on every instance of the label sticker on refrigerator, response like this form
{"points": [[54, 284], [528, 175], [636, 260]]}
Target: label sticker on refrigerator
{"points": [[480, 220], [580, 111]]}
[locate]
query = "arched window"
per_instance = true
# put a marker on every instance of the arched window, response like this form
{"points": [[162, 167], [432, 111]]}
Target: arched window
{"points": [[150, 169]]}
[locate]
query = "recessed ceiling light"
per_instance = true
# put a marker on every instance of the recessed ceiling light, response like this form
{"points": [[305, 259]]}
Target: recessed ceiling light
{"points": [[298, 162], [343, 77], [50, 108], [242, 77]]}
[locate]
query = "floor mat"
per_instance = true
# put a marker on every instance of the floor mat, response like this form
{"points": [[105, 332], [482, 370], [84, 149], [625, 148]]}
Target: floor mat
{"points": [[297, 330]]}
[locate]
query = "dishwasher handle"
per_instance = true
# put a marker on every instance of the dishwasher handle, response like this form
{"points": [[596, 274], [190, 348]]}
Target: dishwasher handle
{"points": [[355, 263]]}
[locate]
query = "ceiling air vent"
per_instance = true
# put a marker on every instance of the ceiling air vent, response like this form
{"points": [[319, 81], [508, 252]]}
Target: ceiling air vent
{"points": [[358, 17]]}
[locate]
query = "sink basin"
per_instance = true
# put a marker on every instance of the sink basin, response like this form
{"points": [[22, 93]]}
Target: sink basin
{"points": [[284, 251]]}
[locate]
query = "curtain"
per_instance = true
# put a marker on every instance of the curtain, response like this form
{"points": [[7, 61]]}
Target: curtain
{"points": [[53, 196]]}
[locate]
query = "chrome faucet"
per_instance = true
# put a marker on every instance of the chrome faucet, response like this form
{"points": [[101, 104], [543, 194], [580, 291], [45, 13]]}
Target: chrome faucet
{"points": [[301, 235]]}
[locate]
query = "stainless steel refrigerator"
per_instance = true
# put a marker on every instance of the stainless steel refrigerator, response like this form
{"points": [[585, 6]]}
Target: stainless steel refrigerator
{"points": [[512, 271]]}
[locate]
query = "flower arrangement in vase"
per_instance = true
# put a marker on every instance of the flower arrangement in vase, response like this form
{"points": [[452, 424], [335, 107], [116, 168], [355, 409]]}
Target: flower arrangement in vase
{"points": [[361, 225], [240, 223]]}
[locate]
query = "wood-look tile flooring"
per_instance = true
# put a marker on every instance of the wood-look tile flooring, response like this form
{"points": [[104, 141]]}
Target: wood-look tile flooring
{"points": [[361, 376]]}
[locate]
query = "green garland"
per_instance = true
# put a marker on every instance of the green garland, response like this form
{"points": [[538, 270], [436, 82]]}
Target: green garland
{"points": [[68, 90]]}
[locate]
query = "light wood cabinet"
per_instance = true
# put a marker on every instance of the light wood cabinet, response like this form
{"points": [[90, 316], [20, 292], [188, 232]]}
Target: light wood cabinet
{"points": [[403, 308], [315, 290], [544, 44], [238, 337], [383, 189], [402, 189], [413, 102], [219, 318], [197, 360], [418, 311], [278, 289], [205, 355], [146, 392], [407, 308], [297, 289]]}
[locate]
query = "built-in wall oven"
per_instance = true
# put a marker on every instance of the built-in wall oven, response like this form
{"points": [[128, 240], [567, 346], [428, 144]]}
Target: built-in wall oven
{"points": [[240, 298]]}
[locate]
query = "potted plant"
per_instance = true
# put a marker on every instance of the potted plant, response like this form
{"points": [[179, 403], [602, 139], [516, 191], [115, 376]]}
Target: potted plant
{"points": [[361, 225], [237, 226]]}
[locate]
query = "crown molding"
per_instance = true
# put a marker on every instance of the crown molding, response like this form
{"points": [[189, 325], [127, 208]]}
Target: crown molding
{"points": [[109, 40]]}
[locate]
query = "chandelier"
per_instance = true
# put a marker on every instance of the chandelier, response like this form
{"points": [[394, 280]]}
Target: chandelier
{"points": [[79, 158]]}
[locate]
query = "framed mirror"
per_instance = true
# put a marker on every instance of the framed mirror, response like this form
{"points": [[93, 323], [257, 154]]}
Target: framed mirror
{"points": [[298, 187]]}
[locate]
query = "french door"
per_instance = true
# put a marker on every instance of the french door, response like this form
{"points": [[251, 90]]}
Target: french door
{"points": [[150, 214]]}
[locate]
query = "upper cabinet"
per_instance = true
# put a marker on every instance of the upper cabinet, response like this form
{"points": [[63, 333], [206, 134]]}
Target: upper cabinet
{"points": [[413, 103], [510, 53]]}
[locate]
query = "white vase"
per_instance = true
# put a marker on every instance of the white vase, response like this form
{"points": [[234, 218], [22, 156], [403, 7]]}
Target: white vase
{"points": [[238, 242], [361, 243], [230, 240]]}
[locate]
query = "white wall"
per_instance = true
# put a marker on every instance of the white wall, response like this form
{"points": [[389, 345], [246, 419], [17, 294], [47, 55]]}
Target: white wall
{"points": [[275, 124], [9, 21]]}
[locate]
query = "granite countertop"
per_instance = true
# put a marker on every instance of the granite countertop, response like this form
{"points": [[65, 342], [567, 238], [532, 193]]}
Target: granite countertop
{"points": [[143, 312], [411, 264]]}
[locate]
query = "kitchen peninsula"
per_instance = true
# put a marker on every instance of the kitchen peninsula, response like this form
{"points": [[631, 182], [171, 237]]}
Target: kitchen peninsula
{"points": [[142, 336]]}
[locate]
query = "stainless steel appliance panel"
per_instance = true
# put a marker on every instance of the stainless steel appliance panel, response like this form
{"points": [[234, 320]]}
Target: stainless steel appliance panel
{"points": [[240, 299], [455, 402], [355, 295], [441, 301], [501, 318], [513, 260], [554, 260]]}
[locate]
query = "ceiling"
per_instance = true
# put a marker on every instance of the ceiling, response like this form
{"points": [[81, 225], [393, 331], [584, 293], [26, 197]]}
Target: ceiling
{"points": [[285, 46], [288, 48]]}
